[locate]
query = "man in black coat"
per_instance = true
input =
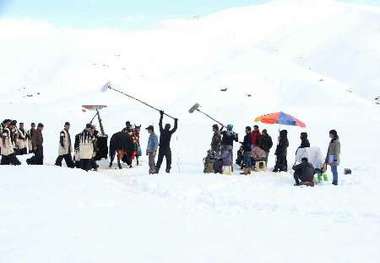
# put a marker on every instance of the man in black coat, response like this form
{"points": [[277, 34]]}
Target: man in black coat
{"points": [[281, 153], [304, 172], [266, 143], [165, 138]]}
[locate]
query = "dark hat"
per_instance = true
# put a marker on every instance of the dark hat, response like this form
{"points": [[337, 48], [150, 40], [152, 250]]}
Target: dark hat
{"points": [[40, 125], [88, 126], [67, 123], [150, 127], [14, 122]]}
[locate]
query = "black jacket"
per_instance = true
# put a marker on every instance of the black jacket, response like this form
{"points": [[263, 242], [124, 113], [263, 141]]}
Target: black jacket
{"points": [[229, 137], [266, 143], [283, 144], [305, 171], [247, 143], [216, 141], [166, 135], [304, 143]]}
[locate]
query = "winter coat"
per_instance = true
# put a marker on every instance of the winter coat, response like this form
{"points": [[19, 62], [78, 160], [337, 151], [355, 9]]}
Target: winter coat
{"points": [[283, 144], [216, 142], [305, 171], [64, 143], [152, 143], [21, 141], [247, 142], [6, 144], [166, 134], [86, 145], [258, 154], [313, 154], [266, 143], [37, 139], [228, 138], [255, 137], [304, 143], [333, 152], [29, 135]]}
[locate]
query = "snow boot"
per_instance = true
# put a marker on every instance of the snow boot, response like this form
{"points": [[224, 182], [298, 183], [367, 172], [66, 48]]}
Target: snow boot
{"points": [[246, 171]]}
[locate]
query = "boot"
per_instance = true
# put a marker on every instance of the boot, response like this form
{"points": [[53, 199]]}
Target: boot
{"points": [[246, 171]]}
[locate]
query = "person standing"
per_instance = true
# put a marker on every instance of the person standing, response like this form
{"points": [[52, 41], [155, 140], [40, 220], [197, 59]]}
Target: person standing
{"points": [[281, 152], [4, 125], [151, 149], [247, 148], [216, 139], [65, 148], [21, 140], [255, 136], [8, 155], [37, 147], [30, 135], [228, 138], [266, 144], [86, 148], [304, 140], [165, 138], [333, 155]]}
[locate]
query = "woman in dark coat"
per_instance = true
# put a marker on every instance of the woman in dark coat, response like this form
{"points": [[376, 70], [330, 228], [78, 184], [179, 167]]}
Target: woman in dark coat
{"points": [[281, 152]]}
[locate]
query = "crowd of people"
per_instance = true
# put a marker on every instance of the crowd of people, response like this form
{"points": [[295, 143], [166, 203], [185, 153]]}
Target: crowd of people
{"points": [[15, 141], [255, 148]]}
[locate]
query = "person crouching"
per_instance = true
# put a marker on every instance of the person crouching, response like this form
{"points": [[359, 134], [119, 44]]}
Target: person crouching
{"points": [[304, 172]]}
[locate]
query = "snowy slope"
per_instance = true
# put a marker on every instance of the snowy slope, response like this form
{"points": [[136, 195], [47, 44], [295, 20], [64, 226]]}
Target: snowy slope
{"points": [[74, 217], [314, 59]]}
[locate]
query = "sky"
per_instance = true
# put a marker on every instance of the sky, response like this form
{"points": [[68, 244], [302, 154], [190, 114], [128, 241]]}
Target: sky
{"points": [[112, 13], [125, 14]]}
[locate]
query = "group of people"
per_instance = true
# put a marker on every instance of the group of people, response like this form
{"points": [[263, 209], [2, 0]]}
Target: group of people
{"points": [[15, 141], [256, 147]]}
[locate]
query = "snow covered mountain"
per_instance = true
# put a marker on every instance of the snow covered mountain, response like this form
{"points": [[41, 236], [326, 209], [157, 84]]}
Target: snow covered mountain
{"points": [[317, 60]]}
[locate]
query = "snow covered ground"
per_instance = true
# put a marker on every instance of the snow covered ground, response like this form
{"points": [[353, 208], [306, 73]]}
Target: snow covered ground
{"points": [[315, 59], [55, 215]]}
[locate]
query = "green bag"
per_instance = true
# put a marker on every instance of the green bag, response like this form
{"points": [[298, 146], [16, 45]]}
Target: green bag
{"points": [[325, 177]]}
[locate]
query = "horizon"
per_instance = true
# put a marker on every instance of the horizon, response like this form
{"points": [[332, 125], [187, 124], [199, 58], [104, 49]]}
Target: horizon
{"points": [[119, 14]]}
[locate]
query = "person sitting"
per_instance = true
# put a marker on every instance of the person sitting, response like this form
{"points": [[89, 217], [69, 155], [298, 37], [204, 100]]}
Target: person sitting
{"points": [[304, 172], [258, 154]]}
